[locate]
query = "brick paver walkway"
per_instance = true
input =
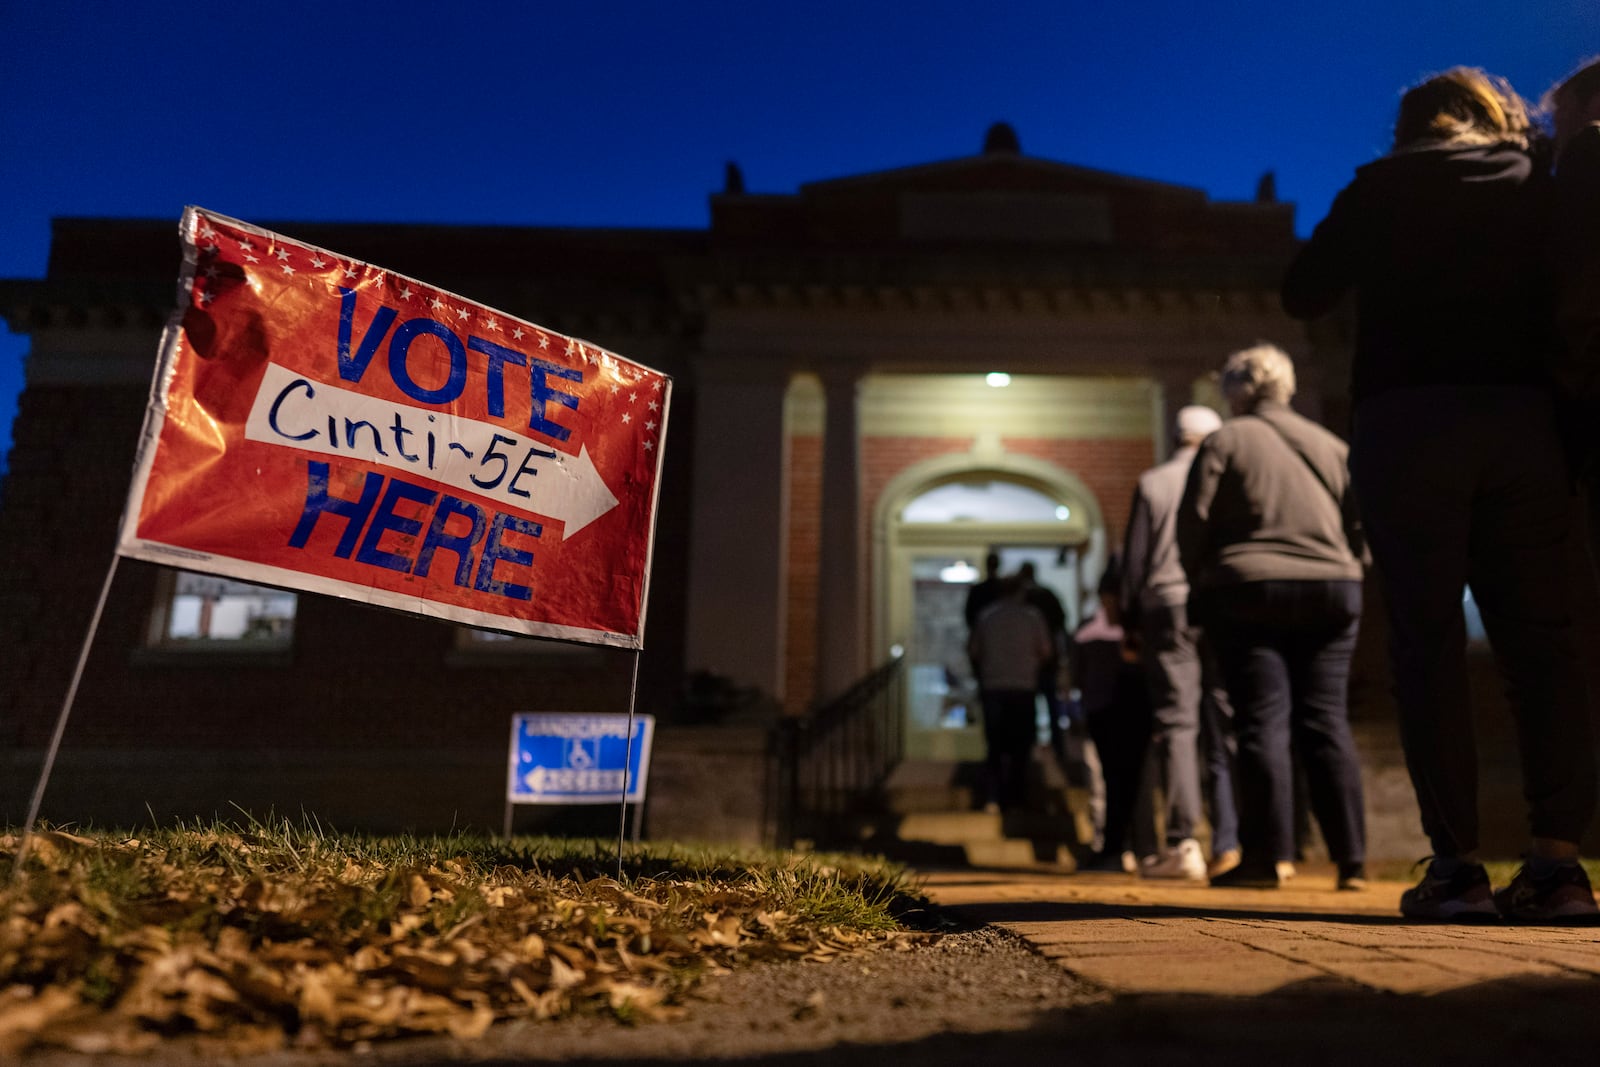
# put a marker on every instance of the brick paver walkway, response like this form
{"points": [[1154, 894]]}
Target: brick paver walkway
{"points": [[1141, 937]]}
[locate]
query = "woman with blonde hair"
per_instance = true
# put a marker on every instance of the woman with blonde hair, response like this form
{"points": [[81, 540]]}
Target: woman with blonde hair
{"points": [[1460, 475], [1463, 106]]}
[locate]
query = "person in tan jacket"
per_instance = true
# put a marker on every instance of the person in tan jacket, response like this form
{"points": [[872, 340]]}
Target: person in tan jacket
{"points": [[1270, 540], [1187, 698]]}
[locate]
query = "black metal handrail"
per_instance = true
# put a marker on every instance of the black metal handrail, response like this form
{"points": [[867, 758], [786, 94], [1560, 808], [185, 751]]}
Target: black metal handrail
{"points": [[833, 761]]}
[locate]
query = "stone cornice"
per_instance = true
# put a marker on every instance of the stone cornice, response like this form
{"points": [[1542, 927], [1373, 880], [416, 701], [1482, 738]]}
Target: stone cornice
{"points": [[939, 282], [37, 305], [1068, 301], [29, 306]]}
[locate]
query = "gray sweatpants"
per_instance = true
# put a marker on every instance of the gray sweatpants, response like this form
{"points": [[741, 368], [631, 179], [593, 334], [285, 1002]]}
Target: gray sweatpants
{"points": [[1185, 690]]}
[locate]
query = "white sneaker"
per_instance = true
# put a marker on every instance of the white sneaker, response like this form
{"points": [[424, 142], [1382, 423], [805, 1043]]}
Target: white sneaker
{"points": [[1183, 860]]}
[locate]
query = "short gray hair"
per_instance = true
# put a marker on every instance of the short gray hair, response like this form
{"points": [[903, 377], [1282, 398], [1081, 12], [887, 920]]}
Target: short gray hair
{"points": [[1260, 372]]}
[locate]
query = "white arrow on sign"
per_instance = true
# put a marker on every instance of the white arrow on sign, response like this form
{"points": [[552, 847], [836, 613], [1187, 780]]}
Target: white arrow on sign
{"points": [[573, 492], [481, 458]]}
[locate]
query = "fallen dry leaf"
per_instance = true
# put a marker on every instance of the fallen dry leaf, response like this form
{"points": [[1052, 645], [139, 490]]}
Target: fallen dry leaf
{"points": [[253, 948], [24, 1013]]}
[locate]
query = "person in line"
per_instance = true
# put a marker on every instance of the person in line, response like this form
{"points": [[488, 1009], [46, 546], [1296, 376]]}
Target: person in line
{"points": [[1055, 620], [1574, 105], [1186, 693], [1009, 645], [1460, 473], [980, 596], [983, 593], [1269, 539], [1079, 761], [1116, 709]]}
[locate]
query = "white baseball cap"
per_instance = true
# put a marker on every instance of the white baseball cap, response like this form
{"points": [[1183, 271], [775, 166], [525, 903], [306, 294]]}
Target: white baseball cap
{"points": [[1197, 420]]}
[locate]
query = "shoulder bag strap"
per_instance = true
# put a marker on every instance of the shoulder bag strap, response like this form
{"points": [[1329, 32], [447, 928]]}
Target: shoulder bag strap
{"points": [[1310, 466]]}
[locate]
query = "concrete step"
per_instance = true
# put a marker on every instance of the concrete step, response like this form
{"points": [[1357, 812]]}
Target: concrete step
{"points": [[928, 817], [949, 827], [957, 827], [1006, 854], [932, 785], [969, 838], [952, 785], [932, 799], [1013, 853]]}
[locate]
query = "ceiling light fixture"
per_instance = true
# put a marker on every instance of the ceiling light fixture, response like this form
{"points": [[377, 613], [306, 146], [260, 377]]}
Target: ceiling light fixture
{"points": [[961, 573]]}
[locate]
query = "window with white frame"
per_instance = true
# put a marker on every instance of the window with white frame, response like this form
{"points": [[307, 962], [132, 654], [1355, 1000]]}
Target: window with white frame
{"points": [[472, 642], [201, 611]]}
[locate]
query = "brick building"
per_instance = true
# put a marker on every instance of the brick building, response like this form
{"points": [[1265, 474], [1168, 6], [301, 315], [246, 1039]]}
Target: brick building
{"points": [[878, 379]]}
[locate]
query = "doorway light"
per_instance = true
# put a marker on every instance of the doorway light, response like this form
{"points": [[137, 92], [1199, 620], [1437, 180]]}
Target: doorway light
{"points": [[1063, 512], [997, 379], [961, 573]]}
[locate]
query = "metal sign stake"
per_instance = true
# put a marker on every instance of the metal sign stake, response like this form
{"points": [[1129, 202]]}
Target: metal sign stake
{"points": [[25, 845], [627, 762]]}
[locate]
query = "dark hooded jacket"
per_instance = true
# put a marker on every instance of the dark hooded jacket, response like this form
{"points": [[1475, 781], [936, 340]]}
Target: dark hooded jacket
{"points": [[1575, 229], [1441, 247]]}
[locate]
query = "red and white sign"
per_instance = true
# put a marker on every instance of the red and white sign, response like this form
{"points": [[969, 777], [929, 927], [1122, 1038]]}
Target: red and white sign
{"points": [[322, 424]]}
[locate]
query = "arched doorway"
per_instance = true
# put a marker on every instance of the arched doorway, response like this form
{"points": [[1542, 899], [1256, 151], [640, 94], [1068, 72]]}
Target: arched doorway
{"points": [[934, 525]]}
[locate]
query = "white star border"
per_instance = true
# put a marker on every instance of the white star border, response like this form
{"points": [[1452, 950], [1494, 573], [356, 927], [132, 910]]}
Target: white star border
{"points": [[211, 235]]}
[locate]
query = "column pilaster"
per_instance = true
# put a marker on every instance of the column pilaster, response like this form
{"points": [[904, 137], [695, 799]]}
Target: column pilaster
{"points": [[841, 596]]}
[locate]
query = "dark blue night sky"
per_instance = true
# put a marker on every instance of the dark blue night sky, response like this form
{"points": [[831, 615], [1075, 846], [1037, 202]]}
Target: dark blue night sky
{"points": [[624, 113]]}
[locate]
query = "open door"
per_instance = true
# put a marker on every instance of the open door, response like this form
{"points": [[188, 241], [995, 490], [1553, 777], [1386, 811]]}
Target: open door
{"points": [[937, 542]]}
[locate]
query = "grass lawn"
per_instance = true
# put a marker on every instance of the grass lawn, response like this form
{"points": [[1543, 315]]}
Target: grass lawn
{"points": [[262, 936]]}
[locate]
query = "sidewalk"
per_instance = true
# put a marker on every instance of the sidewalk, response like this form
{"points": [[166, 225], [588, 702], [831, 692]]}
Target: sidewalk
{"points": [[1133, 937], [1123, 974]]}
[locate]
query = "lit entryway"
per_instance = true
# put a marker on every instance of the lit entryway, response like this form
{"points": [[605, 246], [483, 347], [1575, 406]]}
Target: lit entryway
{"points": [[935, 542]]}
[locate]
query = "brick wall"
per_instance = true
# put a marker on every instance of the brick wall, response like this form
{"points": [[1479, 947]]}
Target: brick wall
{"points": [[69, 469], [356, 676], [883, 458], [1109, 468], [805, 553]]}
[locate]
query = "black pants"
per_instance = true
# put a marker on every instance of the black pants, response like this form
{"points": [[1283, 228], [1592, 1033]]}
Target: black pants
{"points": [[1465, 486], [1121, 734], [1009, 733], [1284, 649]]}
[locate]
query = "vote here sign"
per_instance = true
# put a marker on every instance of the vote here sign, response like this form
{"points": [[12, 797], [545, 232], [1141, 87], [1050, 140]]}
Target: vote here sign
{"points": [[323, 424]]}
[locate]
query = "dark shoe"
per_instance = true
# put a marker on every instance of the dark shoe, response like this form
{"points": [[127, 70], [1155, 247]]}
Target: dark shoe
{"points": [[1108, 861], [1463, 896], [1352, 877], [1248, 876], [1563, 895]]}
